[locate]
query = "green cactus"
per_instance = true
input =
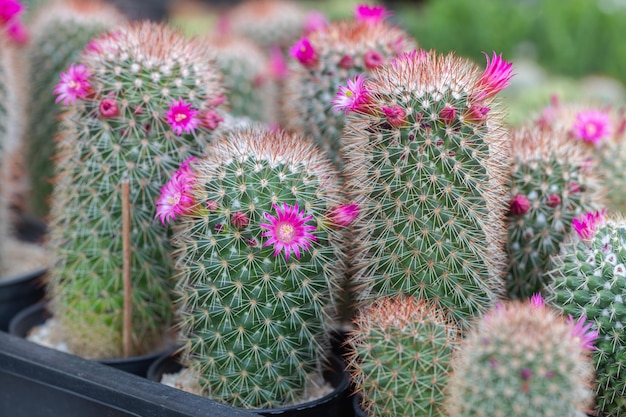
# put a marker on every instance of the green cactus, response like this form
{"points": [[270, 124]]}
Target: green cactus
{"points": [[522, 359], [254, 320], [589, 277], [322, 61], [400, 351], [551, 182], [141, 99], [60, 30], [425, 160]]}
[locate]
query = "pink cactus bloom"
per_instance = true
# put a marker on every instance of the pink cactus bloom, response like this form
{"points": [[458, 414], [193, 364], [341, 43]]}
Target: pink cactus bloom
{"points": [[304, 52], [346, 62], [537, 301], [212, 120], [519, 205], [371, 14], [315, 21], [240, 220], [277, 65], [288, 231], [448, 115], [396, 116], [581, 332], [9, 10], [496, 77], [476, 113], [176, 198], [182, 117], [74, 84], [553, 200], [592, 126], [373, 59], [343, 215], [354, 97], [17, 32], [586, 224], [108, 108]]}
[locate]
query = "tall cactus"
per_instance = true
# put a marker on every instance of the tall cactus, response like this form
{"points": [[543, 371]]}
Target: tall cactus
{"points": [[551, 182], [426, 161], [140, 100], [260, 251], [60, 30], [323, 60]]}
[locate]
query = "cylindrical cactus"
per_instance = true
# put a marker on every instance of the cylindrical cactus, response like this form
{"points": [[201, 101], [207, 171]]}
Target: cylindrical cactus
{"points": [[551, 182], [522, 359], [426, 162], [323, 60], [259, 245], [141, 99], [589, 278], [400, 351], [60, 30]]}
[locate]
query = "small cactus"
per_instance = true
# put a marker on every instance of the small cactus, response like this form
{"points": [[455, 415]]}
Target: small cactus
{"points": [[399, 357], [522, 359], [139, 101], [259, 245], [551, 182]]}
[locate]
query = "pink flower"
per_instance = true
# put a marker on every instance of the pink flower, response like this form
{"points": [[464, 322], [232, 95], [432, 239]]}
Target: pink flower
{"points": [[346, 62], [592, 126], [74, 84], [304, 52], [447, 115], [553, 200], [315, 21], [277, 65], [17, 32], [343, 214], [212, 120], [476, 113], [586, 224], [581, 332], [396, 116], [176, 198], [108, 108], [182, 117], [373, 59], [353, 97], [519, 205], [537, 301], [371, 14], [240, 220], [9, 10], [288, 230], [496, 77]]}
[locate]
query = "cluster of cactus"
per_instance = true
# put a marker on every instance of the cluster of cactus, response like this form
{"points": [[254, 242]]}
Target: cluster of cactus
{"points": [[426, 162], [323, 60], [522, 359], [254, 320], [589, 278], [551, 181], [399, 357], [59, 32], [140, 100]]}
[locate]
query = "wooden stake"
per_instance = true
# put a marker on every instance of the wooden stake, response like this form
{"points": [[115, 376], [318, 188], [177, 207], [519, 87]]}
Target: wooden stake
{"points": [[128, 305]]}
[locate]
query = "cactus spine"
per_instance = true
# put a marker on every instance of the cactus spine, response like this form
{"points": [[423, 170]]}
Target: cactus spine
{"points": [[60, 30], [521, 359], [254, 319], [400, 353], [425, 160], [551, 182], [139, 101]]}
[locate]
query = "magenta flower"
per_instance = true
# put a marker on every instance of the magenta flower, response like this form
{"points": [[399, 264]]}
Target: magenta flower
{"points": [[592, 126], [537, 301], [9, 10], [17, 32], [447, 115], [182, 117], [346, 62], [343, 215], [586, 224], [277, 65], [371, 14], [212, 120], [553, 200], [581, 331], [315, 21], [240, 220], [519, 205], [396, 116], [304, 52], [476, 113], [353, 97], [176, 198], [288, 230], [74, 84], [108, 108], [373, 59], [496, 77]]}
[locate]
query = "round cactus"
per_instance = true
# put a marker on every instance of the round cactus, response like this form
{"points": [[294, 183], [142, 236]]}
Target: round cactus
{"points": [[522, 359], [141, 99], [551, 182], [400, 352], [589, 278], [425, 160], [323, 60], [259, 238]]}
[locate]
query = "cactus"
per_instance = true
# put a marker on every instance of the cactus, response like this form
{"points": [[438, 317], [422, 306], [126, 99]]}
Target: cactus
{"points": [[323, 60], [551, 182], [255, 320], [522, 359], [399, 357], [140, 100], [425, 160], [60, 30], [589, 278]]}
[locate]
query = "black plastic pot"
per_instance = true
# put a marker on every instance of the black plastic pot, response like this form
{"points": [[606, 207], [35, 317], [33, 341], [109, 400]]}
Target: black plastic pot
{"points": [[335, 404], [37, 314], [356, 406], [19, 292]]}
